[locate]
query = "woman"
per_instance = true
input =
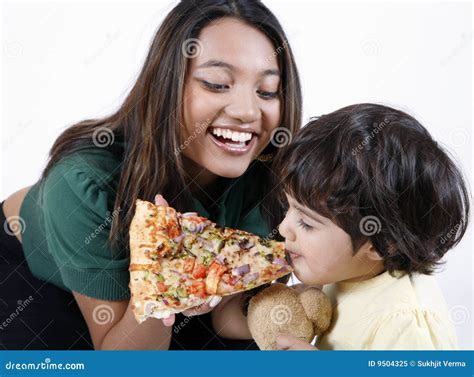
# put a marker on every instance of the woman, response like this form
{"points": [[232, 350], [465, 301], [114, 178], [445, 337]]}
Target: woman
{"points": [[196, 127]]}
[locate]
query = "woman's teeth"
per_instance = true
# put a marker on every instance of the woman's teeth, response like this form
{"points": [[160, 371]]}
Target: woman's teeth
{"points": [[235, 136]]}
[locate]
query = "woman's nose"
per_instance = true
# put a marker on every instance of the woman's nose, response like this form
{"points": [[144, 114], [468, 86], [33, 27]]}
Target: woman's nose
{"points": [[244, 106]]}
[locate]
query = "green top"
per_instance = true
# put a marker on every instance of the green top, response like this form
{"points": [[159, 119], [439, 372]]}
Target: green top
{"points": [[68, 218]]}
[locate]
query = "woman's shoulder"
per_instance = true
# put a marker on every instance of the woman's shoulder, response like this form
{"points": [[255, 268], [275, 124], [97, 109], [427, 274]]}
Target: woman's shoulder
{"points": [[100, 165]]}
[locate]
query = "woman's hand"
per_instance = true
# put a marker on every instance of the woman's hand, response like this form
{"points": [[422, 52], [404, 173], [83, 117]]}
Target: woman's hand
{"points": [[198, 310], [288, 342], [203, 308]]}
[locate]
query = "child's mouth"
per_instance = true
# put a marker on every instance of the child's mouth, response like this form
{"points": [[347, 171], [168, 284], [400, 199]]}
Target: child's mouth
{"points": [[293, 256]]}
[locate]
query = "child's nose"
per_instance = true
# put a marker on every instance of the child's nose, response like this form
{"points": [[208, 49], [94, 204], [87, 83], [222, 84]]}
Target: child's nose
{"points": [[284, 230]]}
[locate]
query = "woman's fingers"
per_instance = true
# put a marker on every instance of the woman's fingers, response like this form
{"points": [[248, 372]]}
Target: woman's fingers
{"points": [[169, 321], [203, 308], [160, 201]]}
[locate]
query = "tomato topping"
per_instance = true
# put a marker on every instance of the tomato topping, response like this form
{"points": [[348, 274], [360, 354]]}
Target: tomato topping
{"points": [[230, 279], [199, 271], [216, 271], [189, 264], [162, 287], [197, 288]]}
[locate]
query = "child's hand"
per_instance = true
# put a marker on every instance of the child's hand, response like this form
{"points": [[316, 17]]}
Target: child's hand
{"points": [[302, 287], [288, 342]]}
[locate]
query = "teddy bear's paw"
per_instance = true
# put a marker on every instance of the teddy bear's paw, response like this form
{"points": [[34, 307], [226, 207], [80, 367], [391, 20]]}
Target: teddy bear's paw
{"points": [[277, 309], [318, 308]]}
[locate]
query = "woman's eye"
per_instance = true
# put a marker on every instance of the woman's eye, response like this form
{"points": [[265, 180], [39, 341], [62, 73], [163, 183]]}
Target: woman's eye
{"points": [[303, 225], [215, 87], [267, 95]]}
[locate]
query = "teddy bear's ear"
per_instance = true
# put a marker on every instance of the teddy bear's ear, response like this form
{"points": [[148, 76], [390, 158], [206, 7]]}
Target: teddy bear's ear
{"points": [[318, 308]]}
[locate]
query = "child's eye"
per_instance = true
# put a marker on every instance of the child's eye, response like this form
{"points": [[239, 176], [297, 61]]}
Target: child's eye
{"points": [[215, 87], [303, 225], [267, 95]]}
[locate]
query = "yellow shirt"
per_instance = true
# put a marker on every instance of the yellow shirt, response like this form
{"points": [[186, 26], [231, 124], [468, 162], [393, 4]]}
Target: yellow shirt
{"points": [[385, 313]]}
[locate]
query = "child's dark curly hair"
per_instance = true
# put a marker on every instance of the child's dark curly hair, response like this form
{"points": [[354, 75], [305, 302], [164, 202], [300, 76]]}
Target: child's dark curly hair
{"points": [[379, 175]]}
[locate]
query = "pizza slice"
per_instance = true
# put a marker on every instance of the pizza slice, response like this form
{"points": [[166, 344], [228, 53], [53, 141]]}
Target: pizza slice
{"points": [[180, 260]]}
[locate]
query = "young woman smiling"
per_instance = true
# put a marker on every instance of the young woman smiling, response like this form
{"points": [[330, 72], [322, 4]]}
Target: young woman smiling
{"points": [[219, 78]]}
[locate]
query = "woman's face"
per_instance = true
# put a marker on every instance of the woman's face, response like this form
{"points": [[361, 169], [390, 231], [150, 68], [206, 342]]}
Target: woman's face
{"points": [[232, 98]]}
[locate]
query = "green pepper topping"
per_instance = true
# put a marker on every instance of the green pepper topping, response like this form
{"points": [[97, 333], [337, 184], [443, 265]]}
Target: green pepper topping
{"points": [[181, 291]]}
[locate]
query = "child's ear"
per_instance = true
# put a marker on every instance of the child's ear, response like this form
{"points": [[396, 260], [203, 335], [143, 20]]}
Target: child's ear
{"points": [[369, 249]]}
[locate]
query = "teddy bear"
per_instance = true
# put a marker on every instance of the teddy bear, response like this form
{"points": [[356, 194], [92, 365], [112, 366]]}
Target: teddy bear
{"points": [[300, 311]]}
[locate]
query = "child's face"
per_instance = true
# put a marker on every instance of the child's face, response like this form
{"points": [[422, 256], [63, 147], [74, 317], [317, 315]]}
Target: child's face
{"points": [[321, 251]]}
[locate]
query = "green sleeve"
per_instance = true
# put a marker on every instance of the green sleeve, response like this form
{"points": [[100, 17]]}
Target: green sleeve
{"points": [[77, 226]]}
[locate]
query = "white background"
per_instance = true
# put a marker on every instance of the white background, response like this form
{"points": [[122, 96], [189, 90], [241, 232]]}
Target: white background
{"points": [[62, 63]]}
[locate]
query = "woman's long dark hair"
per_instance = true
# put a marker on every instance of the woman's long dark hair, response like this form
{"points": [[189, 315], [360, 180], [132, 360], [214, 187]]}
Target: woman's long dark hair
{"points": [[149, 119]]}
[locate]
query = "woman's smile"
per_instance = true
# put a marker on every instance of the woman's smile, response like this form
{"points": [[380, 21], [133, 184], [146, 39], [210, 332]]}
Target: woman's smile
{"points": [[231, 141]]}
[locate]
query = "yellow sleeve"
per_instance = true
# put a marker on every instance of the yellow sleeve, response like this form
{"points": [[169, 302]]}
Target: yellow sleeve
{"points": [[414, 329]]}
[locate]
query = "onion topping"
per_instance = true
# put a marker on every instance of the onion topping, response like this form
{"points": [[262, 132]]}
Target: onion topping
{"points": [[250, 277], [280, 262], [241, 270]]}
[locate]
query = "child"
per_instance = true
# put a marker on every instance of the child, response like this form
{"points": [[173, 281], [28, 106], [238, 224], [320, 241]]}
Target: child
{"points": [[374, 204]]}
